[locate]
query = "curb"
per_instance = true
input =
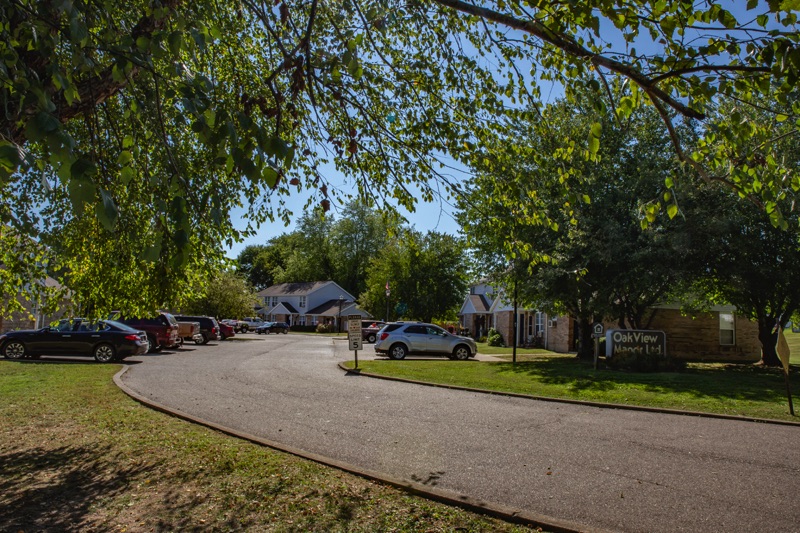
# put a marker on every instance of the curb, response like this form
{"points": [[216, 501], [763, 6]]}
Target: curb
{"points": [[495, 510], [696, 414]]}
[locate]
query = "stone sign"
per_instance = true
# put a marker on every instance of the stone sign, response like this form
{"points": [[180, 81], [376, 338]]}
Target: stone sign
{"points": [[636, 342]]}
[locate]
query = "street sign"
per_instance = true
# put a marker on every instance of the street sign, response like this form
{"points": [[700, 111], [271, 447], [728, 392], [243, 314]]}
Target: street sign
{"points": [[354, 332], [597, 330]]}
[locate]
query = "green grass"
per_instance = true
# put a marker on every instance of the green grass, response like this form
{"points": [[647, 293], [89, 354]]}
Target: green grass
{"points": [[76, 454], [744, 390]]}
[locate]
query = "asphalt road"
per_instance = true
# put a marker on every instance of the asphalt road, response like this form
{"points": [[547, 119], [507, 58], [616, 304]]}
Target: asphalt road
{"points": [[602, 469]]}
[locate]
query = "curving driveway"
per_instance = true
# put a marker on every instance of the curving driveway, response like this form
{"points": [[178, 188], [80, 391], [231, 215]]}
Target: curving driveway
{"points": [[588, 467]]}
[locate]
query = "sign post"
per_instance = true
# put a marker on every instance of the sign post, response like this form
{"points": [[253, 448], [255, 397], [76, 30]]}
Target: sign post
{"points": [[354, 336], [597, 332]]}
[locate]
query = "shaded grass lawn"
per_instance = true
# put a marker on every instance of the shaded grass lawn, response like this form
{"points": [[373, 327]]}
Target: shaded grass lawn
{"points": [[76, 454], [744, 390]]}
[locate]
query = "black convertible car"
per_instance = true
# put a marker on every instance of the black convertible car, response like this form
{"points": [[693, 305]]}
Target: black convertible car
{"points": [[105, 340]]}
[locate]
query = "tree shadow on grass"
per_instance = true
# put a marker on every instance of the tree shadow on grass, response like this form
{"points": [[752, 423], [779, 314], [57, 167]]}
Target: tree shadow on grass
{"points": [[54, 489], [717, 381]]}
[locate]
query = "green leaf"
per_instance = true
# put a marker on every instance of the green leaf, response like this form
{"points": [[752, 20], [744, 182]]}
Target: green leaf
{"points": [[81, 192], [151, 253], [10, 156], [41, 124], [106, 210], [175, 41], [83, 169], [354, 68], [594, 139], [270, 176], [672, 210], [127, 174], [143, 43], [124, 158]]}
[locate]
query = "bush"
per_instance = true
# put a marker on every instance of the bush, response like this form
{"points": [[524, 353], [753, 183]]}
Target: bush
{"points": [[494, 338], [324, 328]]}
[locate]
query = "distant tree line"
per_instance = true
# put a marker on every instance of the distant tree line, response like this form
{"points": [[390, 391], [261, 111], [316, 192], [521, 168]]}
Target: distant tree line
{"points": [[363, 250]]}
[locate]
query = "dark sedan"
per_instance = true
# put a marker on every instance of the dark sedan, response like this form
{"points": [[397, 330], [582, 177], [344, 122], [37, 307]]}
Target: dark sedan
{"points": [[105, 340], [273, 327]]}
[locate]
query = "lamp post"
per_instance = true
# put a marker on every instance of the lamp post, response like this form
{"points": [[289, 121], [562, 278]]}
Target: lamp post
{"points": [[339, 321], [388, 292]]}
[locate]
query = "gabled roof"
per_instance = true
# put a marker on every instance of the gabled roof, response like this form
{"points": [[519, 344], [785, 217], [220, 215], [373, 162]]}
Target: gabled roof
{"points": [[475, 304], [293, 289], [283, 308], [331, 308]]}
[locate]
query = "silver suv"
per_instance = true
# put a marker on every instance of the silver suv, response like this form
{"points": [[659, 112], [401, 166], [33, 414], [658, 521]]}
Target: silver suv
{"points": [[402, 338]]}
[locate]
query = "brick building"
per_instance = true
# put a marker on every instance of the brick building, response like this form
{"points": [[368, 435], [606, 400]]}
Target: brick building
{"points": [[35, 313], [716, 335]]}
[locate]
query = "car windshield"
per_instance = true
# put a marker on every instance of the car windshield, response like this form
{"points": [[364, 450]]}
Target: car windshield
{"points": [[171, 319]]}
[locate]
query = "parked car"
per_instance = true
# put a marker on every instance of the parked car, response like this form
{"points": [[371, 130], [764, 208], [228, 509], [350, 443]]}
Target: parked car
{"points": [[370, 329], [273, 327], [190, 331], [238, 326], [162, 331], [251, 323], [402, 338], [106, 340], [209, 327], [226, 331]]}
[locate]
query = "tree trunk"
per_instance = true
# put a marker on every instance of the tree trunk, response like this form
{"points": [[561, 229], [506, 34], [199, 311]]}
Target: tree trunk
{"points": [[768, 337], [585, 341]]}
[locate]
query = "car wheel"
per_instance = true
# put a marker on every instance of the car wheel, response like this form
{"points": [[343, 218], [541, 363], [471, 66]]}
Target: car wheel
{"points": [[371, 338], [461, 352], [14, 350], [285, 331], [398, 351], [245, 329], [205, 340], [104, 353], [154, 346]]}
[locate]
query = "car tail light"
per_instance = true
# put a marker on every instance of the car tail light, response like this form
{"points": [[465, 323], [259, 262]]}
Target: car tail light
{"points": [[132, 337], [383, 336], [215, 330]]}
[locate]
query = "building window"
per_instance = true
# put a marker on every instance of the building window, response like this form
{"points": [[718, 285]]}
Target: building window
{"points": [[530, 326], [727, 330], [303, 301], [539, 323], [274, 301], [302, 321]]}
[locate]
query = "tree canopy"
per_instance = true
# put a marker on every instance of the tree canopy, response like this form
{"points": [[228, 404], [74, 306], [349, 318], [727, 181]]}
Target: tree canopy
{"points": [[131, 130]]}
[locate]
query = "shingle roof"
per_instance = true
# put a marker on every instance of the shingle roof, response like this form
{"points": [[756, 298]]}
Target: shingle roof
{"points": [[480, 303], [329, 308], [293, 289]]}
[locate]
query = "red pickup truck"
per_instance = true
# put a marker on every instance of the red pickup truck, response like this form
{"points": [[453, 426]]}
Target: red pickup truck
{"points": [[162, 331]]}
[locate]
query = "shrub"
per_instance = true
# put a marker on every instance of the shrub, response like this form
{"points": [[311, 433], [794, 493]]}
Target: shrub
{"points": [[494, 338], [324, 328]]}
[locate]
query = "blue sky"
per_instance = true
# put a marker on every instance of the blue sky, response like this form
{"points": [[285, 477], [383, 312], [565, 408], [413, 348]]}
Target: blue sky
{"points": [[437, 216]]}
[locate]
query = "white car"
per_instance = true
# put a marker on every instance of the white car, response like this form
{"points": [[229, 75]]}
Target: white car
{"points": [[402, 338], [250, 323]]}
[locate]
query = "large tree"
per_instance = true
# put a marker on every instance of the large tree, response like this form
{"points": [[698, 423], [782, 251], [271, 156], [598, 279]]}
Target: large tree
{"points": [[226, 295], [147, 122], [426, 275], [597, 252]]}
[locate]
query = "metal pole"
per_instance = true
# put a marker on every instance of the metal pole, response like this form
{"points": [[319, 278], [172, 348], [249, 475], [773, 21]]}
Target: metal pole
{"points": [[387, 302], [516, 319]]}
